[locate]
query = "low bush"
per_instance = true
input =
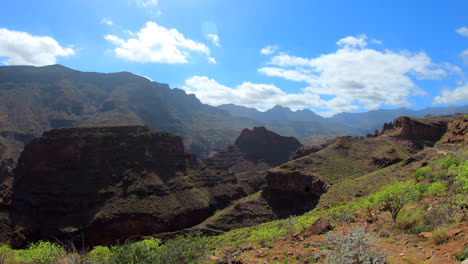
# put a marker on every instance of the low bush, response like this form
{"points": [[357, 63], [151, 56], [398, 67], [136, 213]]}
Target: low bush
{"points": [[449, 161], [183, 249], [423, 173], [409, 220], [440, 235], [396, 195], [43, 252], [5, 251], [436, 189], [440, 215], [139, 252], [355, 246], [100, 255]]}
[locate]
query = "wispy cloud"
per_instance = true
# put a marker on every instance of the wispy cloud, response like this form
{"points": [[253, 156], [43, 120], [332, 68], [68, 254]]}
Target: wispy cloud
{"points": [[268, 50], [107, 21], [214, 39], [463, 31]]}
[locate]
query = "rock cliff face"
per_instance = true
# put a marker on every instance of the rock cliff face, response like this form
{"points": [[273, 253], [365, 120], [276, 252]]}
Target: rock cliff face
{"points": [[457, 131], [430, 129], [256, 149], [108, 184], [292, 193]]}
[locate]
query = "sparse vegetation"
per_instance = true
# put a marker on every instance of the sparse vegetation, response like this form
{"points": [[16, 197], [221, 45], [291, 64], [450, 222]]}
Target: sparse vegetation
{"points": [[355, 246], [439, 235], [396, 195]]}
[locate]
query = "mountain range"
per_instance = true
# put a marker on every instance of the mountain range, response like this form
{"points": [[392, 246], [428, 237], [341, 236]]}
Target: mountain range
{"points": [[36, 99]]}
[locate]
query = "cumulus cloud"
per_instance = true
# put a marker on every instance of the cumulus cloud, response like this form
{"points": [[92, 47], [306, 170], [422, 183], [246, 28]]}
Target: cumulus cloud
{"points": [[457, 95], [107, 21], [268, 50], [258, 95], [358, 75], [155, 43], [353, 42], [214, 39], [21, 48], [463, 31]]}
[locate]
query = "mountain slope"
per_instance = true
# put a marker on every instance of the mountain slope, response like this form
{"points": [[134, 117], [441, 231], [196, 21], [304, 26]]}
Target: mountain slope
{"points": [[40, 98]]}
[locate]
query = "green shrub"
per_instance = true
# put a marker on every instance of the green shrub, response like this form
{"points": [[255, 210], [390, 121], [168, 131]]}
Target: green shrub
{"points": [[396, 195], [138, 252], [100, 255], [42, 252], [423, 173], [461, 181], [183, 249], [5, 250], [449, 161], [353, 247], [436, 189]]}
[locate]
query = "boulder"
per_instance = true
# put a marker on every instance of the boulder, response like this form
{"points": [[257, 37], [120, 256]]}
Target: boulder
{"points": [[318, 227]]}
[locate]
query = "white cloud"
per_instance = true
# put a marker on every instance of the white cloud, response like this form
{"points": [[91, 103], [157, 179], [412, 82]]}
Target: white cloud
{"points": [[463, 31], [211, 60], [268, 50], [457, 95], [155, 43], [358, 75], [214, 39], [353, 42], [107, 21], [22, 48], [260, 96]]}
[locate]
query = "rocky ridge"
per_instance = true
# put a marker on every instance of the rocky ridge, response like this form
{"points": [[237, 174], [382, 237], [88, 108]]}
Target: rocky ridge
{"points": [[107, 184]]}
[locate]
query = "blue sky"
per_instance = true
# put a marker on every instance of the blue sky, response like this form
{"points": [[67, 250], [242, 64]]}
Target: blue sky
{"points": [[328, 56]]}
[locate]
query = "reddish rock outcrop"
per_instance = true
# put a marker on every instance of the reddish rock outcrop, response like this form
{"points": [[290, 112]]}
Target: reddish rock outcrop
{"points": [[292, 193], [457, 131], [256, 149], [430, 129], [106, 184]]}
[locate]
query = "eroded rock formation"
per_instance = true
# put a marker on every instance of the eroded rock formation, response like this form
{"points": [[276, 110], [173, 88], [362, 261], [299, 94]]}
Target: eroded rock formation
{"points": [[457, 131], [430, 129], [257, 149], [106, 184]]}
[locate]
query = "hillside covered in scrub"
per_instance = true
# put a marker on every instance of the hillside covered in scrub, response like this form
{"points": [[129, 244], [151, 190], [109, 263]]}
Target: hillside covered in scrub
{"points": [[393, 197]]}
